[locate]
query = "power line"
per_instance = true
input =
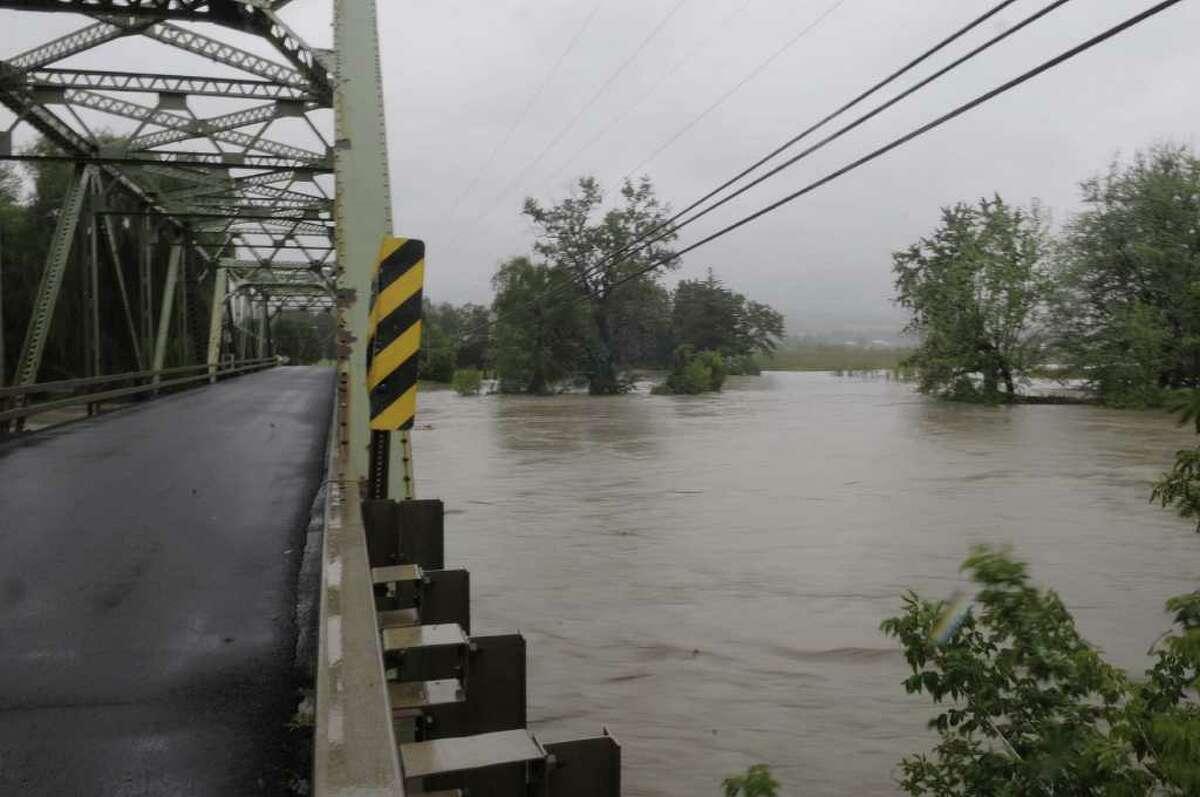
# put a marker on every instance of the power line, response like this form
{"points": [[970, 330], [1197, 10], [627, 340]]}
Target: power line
{"points": [[895, 143], [762, 65], [925, 128], [570, 125], [662, 78], [668, 228], [520, 118], [927, 54], [654, 232]]}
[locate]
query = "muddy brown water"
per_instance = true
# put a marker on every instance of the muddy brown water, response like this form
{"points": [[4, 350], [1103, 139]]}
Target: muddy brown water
{"points": [[706, 575]]}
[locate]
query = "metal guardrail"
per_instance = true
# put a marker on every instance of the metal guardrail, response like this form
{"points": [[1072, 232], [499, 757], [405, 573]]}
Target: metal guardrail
{"points": [[354, 742], [408, 698], [16, 392]]}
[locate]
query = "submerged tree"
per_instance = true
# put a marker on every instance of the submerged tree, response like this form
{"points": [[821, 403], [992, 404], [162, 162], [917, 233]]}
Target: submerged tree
{"points": [[1129, 267], [596, 249], [539, 326], [975, 289], [708, 316]]}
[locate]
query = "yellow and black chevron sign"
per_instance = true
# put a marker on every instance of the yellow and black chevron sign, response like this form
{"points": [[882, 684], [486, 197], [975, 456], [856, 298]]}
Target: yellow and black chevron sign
{"points": [[394, 333]]}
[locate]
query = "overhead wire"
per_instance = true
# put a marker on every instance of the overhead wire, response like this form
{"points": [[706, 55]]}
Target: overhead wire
{"points": [[753, 73], [891, 78], [959, 110], [520, 117], [925, 128], [661, 78], [570, 125], [669, 228]]}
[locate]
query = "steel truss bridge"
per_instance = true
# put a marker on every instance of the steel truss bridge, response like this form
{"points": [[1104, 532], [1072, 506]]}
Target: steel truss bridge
{"points": [[246, 178]]}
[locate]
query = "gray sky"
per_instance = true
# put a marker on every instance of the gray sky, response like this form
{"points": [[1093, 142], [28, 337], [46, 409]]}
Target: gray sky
{"points": [[458, 75]]}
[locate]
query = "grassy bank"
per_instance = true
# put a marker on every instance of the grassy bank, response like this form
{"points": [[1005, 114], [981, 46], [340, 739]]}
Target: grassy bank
{"points": [[834, 357]]}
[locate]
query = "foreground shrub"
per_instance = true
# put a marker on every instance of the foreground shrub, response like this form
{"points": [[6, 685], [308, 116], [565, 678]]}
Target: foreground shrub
{"points": [[1028, 707], [694, 372], [467, 382]]}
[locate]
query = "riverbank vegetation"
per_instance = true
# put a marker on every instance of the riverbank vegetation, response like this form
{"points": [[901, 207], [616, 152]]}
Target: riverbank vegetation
{"points": [[588, 306], [1114, 299], [798, 354], [1027, 706]]}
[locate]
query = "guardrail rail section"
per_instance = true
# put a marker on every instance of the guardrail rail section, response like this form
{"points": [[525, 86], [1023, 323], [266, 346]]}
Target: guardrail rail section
{"points": [[458, 699]]}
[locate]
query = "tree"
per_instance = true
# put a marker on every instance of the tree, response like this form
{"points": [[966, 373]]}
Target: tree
{"points": [[641, 320], [1129, 267], [975, 289], [304, 338], [473, 335], [438, 349], [755, 782], [1028, 707], [591, 248], [759, 329], [694, 372], [708, 316], [539, 326]]}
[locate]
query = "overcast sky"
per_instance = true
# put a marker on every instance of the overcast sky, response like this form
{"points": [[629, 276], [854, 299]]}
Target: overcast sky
{"points": [[460, 74]]}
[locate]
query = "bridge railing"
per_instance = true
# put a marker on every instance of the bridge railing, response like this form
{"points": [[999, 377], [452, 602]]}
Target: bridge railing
{"points": [[19, 402], [354, 744]]}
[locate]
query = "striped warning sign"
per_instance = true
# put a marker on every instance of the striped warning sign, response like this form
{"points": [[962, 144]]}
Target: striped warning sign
{"points": [[394, 333]]}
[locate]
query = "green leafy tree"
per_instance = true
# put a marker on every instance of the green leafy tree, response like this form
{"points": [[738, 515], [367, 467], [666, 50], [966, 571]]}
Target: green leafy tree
{"points": [[975, 289], [694, 372], [1180, 487], [1129, 272], [467, 382], [707, 315], [540, 326], [304, 338], [1028, 707], [760, 328], [641, 320], [755, 782], [579, 238]]}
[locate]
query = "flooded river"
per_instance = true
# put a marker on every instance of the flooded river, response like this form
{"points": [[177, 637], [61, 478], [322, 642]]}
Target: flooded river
{"points": [[706, 575]]}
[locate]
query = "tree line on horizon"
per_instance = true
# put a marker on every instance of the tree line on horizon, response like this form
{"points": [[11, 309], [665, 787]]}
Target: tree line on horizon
{"points": [[588, 305], [1112, 299]]}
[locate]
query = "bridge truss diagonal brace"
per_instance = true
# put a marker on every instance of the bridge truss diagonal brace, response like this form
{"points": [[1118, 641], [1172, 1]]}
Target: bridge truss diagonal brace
{"points": [[52, 277], [216, 319], [166, 307]]}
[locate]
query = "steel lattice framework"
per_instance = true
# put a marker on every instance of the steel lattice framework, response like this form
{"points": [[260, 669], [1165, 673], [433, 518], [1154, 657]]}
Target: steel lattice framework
{"points": [[243, 195]]}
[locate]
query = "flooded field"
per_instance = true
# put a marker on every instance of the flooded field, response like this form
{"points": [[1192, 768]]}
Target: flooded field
{"points": [[706, 575]]}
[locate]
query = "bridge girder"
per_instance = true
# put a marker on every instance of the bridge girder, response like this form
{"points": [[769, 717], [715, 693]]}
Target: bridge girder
{"points": [[236, 183]]}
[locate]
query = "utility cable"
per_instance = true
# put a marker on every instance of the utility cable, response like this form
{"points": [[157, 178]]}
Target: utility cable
{"points": [[520, 118], [668, 228], [762, 65], [897, 142], [570, 125], [701, 46], [925, 128], [912, 64]]}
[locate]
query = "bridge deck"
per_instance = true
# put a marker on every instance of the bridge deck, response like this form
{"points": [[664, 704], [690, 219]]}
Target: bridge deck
{"points": [[148, 563]]}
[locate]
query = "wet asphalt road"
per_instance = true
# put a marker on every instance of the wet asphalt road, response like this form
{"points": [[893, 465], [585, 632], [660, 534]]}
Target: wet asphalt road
{"points": [[148, 563]]}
